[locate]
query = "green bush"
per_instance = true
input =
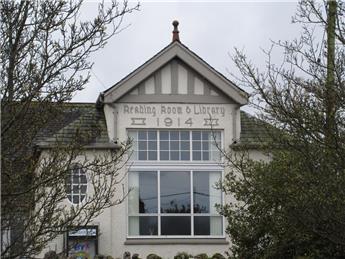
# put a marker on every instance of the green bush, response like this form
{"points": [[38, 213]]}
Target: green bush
{"points": [[153, 256], [218, 256], [182, 255], [201, 256]]}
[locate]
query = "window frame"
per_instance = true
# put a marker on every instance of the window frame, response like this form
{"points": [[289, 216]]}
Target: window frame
{"points": [[69, 177], [159, 214], [135, 153]]}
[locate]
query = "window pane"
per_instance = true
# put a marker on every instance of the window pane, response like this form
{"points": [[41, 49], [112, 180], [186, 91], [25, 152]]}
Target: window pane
{"points": [[196, 145], [164, 135], [152, 135], [205, 146], [174, 155], [175, 225], [205, 135], [208, 225], [201, 192], [142, 145], [196, 135], [196, 155], [185, 155], [142, 155], [142, 135], [205, 156], [175, 192], [174, 135], [143, 192], [152, 155], [184, 135], [185, 145], [164, 145], [152, 145], [143, 226], [164, 155], [174, 145], [205, 195]]}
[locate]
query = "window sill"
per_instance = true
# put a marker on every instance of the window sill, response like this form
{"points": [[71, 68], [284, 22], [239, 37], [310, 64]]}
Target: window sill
{"points": [[174, 241]]}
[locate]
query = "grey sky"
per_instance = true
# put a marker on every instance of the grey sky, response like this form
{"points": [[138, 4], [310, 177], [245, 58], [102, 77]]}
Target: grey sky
{"points": [[210, 29]]}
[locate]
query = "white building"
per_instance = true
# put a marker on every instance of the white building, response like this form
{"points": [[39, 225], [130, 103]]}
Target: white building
{"points": [[177, 109]]}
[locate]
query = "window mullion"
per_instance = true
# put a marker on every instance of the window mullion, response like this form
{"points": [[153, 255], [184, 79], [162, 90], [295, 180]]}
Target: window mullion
{"points": [[192, 203], [159, 201]]}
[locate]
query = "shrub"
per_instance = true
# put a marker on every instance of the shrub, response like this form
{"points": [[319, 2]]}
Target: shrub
{"points": [[153, 256], [201, 256], [218, 256], [182, 255]]}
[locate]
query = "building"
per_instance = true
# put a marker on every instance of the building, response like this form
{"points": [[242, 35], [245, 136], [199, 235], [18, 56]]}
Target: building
{"points": [[179, 112]]}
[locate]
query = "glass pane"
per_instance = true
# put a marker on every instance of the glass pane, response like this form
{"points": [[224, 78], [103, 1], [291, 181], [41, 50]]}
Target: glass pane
{"points": [[174, 135], [75, 188], [164, 155], [142, 135], [175, 225], [142, 145], [205, 195], [143, 226], [174, 145], [201, 192], [208, 225], [164, 145], [196, 145], [185, 155], [142, 155], [185, 145], [205, 156], [205, 145], [152, 135], [148, 198], [142, 197], [196, 135], [202, 226], [83, 178], [152, 155], [205, 135], [175, 192], [83, 189], [164, 135], [196, 155], [184, 135], [174, 155], [75, 199], [152, 145], [75, 178]]}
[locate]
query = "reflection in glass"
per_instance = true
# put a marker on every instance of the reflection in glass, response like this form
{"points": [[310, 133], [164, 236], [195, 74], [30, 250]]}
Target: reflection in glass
{"points": [[143, 225], [143, 195], [175, 225], [175, 192], [206, 225]]}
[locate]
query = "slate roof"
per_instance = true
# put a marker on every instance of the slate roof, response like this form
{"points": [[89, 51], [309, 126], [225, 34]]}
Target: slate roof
{"points": [[81, 122], [85, 119], [254, 132]]}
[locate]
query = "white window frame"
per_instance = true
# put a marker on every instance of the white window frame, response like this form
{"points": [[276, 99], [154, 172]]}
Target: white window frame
{"points": [[70, 179], [176, 165]]}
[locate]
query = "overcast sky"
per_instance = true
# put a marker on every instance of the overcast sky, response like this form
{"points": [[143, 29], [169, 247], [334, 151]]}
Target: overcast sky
{"points": [[211, 29]]}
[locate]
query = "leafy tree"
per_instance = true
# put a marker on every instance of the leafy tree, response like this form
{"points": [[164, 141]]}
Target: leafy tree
{"points": [[45, 52], [292, 204]]}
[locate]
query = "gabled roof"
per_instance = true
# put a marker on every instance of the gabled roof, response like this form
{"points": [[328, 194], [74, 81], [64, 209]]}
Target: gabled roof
{"points": [[173, 50]]}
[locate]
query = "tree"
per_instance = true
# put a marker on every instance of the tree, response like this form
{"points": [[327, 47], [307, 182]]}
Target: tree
{"points": [[45, 53], [292, 204]]}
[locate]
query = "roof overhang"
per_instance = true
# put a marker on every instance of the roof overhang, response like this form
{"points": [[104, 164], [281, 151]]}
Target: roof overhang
{"points": [[174, 50]]}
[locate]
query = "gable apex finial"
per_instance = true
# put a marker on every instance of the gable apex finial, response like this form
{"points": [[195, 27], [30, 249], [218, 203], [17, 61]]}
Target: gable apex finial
{"points": [[176, 32]]}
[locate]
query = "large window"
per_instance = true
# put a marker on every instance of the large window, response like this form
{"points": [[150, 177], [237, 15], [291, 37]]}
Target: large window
{"points": [[174, 203], [176, 145], [76, 184]]}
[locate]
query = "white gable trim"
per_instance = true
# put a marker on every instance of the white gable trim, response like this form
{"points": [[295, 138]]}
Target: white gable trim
{"points": [[175, 49]]}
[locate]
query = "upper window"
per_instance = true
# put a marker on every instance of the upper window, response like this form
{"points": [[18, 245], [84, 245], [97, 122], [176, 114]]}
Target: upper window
{"points": [[176, 145], [76, 184]]}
